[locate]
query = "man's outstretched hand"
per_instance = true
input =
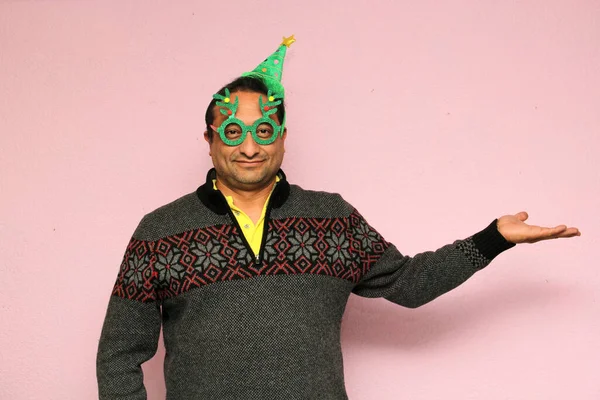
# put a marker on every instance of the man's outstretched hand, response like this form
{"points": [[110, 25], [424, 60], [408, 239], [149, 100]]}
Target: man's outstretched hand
{"points": [[515, 230]]}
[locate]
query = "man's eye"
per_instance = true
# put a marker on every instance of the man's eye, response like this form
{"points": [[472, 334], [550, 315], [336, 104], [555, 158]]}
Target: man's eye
{"points": [[233, 131], [264, 131]]}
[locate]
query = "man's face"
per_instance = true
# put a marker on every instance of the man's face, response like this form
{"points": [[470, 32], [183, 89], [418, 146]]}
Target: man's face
{"points": [[248, 166]]}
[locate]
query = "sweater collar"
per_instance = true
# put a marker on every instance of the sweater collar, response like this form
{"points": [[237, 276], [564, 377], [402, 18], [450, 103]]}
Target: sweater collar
{"points": [[214, 199]]}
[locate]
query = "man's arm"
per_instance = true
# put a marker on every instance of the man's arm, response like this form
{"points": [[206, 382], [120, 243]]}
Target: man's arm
{"points": [[131, 328], [414, 281]]}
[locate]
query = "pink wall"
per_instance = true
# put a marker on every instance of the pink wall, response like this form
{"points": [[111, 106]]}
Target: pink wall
{"points": [[448, 114]]}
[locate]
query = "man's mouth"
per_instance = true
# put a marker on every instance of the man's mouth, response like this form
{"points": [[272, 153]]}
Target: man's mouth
{"points": [[249, 162]]}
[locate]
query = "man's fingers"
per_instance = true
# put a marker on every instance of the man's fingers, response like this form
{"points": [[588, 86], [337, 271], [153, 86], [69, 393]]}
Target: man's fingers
{"points": [[560, 231], [570, 232], [563, 231], [555, 232]]}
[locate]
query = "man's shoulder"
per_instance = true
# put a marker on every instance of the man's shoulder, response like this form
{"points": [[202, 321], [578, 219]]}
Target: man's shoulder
{"points": [[180, 215], [182, 203], [314, 203], [296, 190]]}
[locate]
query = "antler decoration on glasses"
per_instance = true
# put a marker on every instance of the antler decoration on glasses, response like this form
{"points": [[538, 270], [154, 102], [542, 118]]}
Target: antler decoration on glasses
{"points": [[225, 101], [270, 107]]}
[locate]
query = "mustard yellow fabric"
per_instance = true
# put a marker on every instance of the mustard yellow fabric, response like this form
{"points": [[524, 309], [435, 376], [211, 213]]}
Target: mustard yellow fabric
{"points": [[252, 232]]}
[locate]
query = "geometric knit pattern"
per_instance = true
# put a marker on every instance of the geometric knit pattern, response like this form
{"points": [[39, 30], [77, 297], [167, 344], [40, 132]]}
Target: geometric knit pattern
{"points": [[344, 248], [472, 253]]}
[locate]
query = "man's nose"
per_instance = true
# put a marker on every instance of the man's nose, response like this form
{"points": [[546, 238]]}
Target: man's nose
{"points": [[249, 147]]}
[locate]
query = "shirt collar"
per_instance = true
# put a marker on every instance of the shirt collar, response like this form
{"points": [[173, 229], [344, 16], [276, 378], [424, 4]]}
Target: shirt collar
{"points": [[214, 199], [230, 198]]}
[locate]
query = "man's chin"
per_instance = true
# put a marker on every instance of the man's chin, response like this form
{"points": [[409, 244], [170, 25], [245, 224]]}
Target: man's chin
{"points": [[252, 179], [248, 179]]}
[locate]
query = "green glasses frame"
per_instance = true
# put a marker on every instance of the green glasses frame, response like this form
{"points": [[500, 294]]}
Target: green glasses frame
{"points": [[267, 109]]}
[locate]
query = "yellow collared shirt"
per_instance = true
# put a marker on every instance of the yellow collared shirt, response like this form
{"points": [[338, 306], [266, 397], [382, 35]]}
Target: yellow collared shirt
{"points": [[252, 232]]}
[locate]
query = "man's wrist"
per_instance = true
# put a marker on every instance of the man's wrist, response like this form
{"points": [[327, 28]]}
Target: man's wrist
{"points": [[490, 241]]}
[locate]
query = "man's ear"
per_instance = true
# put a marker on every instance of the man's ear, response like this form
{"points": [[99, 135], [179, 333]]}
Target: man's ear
{"points": [[284, 133], [209, 141]]}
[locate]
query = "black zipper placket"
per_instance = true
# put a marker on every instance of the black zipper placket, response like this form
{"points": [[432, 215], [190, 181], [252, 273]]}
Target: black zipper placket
{"points": [[257, 258]]}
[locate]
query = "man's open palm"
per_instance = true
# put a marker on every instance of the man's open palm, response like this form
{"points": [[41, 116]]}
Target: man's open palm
{"points": [[515, 230]]}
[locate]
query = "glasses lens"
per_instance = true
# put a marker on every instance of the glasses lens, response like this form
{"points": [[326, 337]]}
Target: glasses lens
{"points": [[233, 131], [264, 131]]}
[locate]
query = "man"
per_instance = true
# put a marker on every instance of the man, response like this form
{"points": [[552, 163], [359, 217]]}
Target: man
{"points": [[249, 275]]}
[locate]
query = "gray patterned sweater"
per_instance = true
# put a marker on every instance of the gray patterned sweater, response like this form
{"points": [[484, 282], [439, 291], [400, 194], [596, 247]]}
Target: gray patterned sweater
{"points": [[240, 326]]}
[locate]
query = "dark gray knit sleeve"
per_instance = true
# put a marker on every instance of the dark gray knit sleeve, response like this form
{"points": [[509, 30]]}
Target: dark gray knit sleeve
{"points": [[131, 327], [414, 281]]}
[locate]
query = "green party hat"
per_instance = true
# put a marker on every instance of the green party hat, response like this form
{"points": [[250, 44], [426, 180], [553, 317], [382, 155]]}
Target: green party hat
{"points": [[270, 70]]}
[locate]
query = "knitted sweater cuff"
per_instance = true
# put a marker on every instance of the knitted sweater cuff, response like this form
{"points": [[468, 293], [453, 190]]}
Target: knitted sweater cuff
{"points": [[490, 241]]}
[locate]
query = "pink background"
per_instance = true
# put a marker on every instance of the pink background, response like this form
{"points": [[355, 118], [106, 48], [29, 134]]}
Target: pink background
{"points": [[431, 117]]}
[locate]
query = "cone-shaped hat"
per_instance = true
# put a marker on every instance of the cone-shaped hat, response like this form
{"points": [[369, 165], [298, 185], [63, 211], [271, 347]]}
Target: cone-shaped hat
{"points": [[271, 70]]}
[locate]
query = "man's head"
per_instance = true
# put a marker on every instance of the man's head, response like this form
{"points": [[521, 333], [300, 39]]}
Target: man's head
{"points": [[241, 84], [248, 165]]}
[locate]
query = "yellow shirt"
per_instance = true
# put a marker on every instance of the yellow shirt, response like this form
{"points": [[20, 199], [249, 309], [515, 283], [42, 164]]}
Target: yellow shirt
{"points": [[252, 232]]}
